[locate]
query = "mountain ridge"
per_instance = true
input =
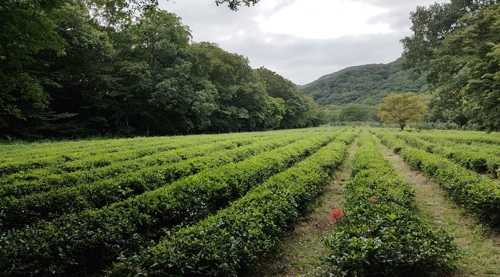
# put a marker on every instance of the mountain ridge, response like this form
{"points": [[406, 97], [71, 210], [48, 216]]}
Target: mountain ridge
{"points": [[363, 84]]}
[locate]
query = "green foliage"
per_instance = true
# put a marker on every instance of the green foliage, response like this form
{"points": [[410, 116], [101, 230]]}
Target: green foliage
{"points": [[378, 234], [478, 194], [125, 68], [402, 109], [466, 66], [27, 28], [237, 237], [349, 113], [476, 156], [84, 194], [364, 85], [353, 113], [300, 110], [235, 4], [82, 238], [390, 141], [453, 48]]}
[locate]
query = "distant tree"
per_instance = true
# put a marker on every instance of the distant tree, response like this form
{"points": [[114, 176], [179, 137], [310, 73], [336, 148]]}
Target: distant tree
{"points": [[353, 113], [363, 85], [402, 108]]}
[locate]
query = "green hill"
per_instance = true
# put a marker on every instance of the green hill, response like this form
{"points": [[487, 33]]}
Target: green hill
{"points": [[364, 85]]}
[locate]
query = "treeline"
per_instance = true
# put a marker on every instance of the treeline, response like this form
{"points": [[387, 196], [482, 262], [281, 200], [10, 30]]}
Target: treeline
{"points": [[84, 68], [363, 85], [350, 113], [456, 47]]}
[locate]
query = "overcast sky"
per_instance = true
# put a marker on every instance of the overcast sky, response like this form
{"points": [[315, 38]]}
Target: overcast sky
{"points": [[303, 40]]}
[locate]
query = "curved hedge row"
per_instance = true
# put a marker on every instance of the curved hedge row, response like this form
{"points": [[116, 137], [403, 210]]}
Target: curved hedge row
{"points": [[19, 212], [235, 238], [390, 141], [51, 178], [18, 162], [478, 159], [84, 243], [378, 234], [478, 194]]}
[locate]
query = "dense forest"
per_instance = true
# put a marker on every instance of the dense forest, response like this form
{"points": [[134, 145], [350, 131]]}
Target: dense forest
{"points": [[364, 85], [456, 47], [81, 68], [84, 68]]}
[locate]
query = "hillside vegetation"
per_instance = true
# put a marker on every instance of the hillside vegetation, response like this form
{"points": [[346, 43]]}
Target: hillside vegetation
{"points": [[365, 85]]}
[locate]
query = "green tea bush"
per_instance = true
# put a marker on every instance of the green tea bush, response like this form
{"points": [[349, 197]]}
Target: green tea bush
{"points": [[79, 155], [390, 141], [234, 239], [82, 243], [478, 194], [481, 158], [51, 178], [26, 210], [378, 233]]}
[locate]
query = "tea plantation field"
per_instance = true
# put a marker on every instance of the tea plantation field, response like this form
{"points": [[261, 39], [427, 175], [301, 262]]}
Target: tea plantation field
{"points": [[214, 205]]}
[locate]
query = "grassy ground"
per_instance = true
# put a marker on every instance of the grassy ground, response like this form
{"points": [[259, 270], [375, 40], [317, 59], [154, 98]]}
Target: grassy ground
{"points": [[481, 246], [303, 249]]}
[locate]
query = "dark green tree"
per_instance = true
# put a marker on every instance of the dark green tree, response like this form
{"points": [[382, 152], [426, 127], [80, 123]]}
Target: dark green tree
{"points": [[300, 111], [353, 112], [48, 54], [27, 27], [425, 56], [467, 68], [364, 85]]}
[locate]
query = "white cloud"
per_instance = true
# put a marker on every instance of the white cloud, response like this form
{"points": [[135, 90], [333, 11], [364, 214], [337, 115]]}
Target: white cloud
{"points": [[303, 40], [318, 19]]}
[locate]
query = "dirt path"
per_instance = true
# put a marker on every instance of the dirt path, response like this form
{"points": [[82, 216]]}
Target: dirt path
{"points": [[303, 249], [482, 248]]}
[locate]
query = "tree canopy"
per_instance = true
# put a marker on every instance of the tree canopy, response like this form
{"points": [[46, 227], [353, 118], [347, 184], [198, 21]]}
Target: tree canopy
{"points": [[89, 67], [455, 47], [402, 108]]}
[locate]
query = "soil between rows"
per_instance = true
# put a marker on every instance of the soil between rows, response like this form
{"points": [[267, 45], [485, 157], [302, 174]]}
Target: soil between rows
{"points": [[481, 245], [303, 249]]}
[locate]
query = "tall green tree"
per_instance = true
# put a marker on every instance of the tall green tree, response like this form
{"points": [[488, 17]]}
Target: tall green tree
{"points": [[467, 67], [353, 113], [425, 55], [35, 26], [71, 79], [300, 110], [430, 26], [27, 27]]}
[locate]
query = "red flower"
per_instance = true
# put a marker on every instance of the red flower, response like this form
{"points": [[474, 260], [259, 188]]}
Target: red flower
{"points": [[373, 199], [336, 214]]}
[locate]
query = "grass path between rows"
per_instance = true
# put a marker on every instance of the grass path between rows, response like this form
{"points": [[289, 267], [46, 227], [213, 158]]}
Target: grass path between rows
{"points": [[303, 249], [481, 246]]}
